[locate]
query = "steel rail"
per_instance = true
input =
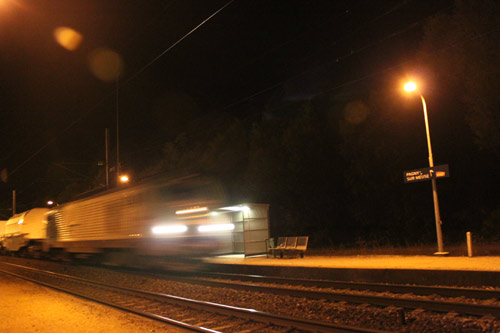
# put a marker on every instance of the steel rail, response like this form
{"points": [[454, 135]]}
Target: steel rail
{"points": [[116, 306], [402, 302], [246, 314], [378, 287]]}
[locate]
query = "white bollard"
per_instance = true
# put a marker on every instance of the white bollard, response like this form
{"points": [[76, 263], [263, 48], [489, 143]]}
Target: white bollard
{"points": [[469, 244]]}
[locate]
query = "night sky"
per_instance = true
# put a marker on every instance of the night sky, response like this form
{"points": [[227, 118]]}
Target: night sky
{"points": [[250, 56]]}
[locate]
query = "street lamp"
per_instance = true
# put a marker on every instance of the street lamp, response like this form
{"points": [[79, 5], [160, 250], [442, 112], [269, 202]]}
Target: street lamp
{"points": [[124, 179], [411, 87]]}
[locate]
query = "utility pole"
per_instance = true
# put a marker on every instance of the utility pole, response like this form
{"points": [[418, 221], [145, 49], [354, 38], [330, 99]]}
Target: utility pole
{"points": [[106, 163], [117, 130], [13, 202]]}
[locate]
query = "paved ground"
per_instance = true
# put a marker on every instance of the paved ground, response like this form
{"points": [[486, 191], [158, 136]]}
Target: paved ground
{"points": [[27, 307], [373, 261]]}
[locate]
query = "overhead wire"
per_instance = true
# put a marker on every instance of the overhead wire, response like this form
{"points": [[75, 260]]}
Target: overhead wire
{"points": [[67, 128], [340, 85], [336, 60], [175, 44], [280, 83]]}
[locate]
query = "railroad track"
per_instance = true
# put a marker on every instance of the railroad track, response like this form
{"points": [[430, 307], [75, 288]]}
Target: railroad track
{"points": [[261, 284], [375, 287], [194, 315]]}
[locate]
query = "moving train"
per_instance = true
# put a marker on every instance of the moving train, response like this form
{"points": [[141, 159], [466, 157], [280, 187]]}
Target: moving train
{"points": [[161, 222]]}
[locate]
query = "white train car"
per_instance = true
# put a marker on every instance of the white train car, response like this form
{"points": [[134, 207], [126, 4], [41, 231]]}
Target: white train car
{"points": [[2, 233], [170, 223], [164, 219], [25, 231]]}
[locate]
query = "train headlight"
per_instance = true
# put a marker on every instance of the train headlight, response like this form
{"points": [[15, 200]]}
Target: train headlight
{"points": [[169, 229], [216, 227]]}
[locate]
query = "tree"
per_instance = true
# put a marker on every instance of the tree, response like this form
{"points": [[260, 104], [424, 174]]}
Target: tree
{"points": [[294, 166], [462, 50]]}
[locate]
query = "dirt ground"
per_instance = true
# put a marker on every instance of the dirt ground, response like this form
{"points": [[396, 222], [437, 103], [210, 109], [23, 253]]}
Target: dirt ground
{"points": [[27, 307]]}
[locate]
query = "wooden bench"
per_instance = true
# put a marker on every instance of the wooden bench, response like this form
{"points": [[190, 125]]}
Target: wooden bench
{"points": [[291, 246]]}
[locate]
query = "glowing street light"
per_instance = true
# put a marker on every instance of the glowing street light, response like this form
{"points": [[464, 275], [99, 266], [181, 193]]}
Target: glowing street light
{"points": [[124, 179], [411, 87]]}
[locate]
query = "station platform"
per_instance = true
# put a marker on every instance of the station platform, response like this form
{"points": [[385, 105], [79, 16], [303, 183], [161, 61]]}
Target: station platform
{"points": [[411, 269], [461, 263]]}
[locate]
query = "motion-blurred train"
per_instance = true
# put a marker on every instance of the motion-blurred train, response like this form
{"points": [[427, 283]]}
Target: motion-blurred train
{"points": [[159, 223]]}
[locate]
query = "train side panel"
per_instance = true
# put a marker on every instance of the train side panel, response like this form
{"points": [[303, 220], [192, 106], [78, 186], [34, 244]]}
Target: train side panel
{"points": [[118, 215]]}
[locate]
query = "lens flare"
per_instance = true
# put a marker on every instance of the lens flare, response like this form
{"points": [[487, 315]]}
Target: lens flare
{"points": [[105, 64], [68, 38]]}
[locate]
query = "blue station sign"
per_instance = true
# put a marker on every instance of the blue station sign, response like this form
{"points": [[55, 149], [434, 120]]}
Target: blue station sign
{"points": [[439, 171]]}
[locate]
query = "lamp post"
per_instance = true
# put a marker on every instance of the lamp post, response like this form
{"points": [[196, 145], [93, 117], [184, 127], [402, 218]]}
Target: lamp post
{"points": [[410, 87]]}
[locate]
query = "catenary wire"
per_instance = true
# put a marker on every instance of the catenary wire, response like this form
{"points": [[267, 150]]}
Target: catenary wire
{"points": [[43, 147]]}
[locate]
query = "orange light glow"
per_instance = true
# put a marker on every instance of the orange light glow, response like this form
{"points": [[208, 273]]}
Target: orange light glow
{"points": [[410, 86], [192, 210], [105, 64], [124, 179], [8, 4], [68, 38]]}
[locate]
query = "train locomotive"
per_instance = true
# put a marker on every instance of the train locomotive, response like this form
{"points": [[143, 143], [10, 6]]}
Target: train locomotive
{"points": [[157, 222]]}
